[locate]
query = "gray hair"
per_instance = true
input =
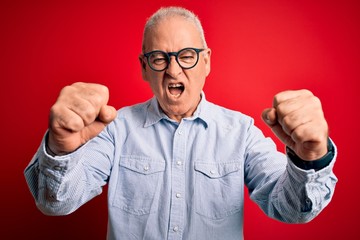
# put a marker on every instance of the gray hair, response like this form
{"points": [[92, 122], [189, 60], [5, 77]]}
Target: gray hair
{"points": [[166, 12]]}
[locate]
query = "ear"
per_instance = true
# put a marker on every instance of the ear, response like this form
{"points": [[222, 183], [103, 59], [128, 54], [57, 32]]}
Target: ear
{"points": [[143, 66], [207, 56]]}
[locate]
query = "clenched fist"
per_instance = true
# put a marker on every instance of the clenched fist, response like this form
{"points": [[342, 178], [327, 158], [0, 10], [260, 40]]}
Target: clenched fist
{"points": [[79, 114], [297, 119]]}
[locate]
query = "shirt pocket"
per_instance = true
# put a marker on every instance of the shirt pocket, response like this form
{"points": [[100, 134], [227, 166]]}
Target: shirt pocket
{"points": [[218, 189], [139, 184]]}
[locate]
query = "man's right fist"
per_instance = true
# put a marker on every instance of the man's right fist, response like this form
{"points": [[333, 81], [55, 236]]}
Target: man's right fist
{"points": [[79, 114]]}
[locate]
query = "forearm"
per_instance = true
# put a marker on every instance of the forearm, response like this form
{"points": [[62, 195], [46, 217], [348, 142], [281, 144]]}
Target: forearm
{"points": [[281, 189], [62, 184], [299, 195]]}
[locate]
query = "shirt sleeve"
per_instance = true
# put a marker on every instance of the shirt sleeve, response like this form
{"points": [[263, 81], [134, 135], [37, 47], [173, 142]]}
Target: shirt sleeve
{"points": [[61, 184], [281, 189]]}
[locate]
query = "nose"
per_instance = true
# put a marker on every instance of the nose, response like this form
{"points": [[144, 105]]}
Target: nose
{"points": [[173, 68]]}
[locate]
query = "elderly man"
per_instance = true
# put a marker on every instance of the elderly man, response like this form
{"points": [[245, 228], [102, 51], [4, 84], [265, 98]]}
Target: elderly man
{"points": [[176, 165]]}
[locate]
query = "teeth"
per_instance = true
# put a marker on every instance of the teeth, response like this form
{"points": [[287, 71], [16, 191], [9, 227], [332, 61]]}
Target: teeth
{"points": [[175, 85]]}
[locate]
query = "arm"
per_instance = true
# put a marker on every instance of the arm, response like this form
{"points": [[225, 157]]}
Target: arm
{"points": [[61, 184], [287, 188], [281, 189], [72, 172]]}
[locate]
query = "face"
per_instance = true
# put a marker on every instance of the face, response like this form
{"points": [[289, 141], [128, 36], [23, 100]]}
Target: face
{"points": [[177, 90]]}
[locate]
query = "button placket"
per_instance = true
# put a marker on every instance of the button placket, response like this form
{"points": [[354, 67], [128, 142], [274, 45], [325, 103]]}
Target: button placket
{"points": [[178, 179]]}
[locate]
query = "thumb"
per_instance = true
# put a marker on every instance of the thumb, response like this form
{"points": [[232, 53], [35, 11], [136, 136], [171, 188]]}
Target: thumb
{"points": [[107, 114], [269, 116]]}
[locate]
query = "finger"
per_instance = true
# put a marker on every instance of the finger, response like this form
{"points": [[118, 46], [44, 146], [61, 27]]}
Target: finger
{"points": [[269, 116], [307, 132], [106, 115], [292, 114], [95, 94], [63, 117], [295, 119], [310, 144], [84, 99], [288, 95], [92, 131], [86, 110], [282, 135]]}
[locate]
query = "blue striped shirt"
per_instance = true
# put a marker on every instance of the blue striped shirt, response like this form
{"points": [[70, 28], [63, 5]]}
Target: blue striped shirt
{"points": [[170, 180]]}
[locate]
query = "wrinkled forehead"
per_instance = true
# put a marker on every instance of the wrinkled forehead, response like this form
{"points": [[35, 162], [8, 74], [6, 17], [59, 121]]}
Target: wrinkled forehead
{"points": [[172, 34]]}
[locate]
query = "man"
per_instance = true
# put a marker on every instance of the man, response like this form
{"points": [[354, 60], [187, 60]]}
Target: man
{"points": [[176, 165]]}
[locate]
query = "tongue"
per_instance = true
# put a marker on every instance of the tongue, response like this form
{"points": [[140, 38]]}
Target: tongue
{"points": [[175, 91]]}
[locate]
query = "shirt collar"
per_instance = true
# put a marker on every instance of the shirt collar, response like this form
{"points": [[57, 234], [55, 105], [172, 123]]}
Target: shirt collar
{"points": [[155, 114]]}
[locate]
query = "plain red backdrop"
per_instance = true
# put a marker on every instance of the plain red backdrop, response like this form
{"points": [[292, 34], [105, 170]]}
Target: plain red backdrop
{"points": [[258, 49]]}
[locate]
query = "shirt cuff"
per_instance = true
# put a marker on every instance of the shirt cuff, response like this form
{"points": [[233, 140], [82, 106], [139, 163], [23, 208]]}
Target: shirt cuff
{"points": [[60, 163], [315, 164]]}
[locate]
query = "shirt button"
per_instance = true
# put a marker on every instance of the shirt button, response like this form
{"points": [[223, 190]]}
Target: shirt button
{"points": [[180, 132], [146, 168], [212, 171], [178, 163], [176, 228], [178, 195], [57, 168]]}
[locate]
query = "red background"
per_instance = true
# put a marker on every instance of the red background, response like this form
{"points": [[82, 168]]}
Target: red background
{"points": [[259, 48]]}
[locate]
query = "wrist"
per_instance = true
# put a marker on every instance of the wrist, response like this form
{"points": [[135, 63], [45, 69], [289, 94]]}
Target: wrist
{"points": [[317, 164], [49, 148]]}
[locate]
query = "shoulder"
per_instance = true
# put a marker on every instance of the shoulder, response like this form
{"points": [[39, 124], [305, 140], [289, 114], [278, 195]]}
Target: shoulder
{"points": [[135, 114], [223, 115], [134, 109]]}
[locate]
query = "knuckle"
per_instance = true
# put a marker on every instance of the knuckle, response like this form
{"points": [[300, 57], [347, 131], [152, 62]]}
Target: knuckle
{"points": [[78, 85], [287, 121], [54, 112], [287, 125], [103, 89], [276, 100], [66, 91], [306, 92], [86, 111], [74, 124], [90, 114], [316, 101], [97, 98], [103, 94], [281, 109], [97, 94], [297, 134], [66, 120]]}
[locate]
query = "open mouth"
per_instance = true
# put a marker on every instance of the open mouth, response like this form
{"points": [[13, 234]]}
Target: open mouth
{"points": [[176, 89]]}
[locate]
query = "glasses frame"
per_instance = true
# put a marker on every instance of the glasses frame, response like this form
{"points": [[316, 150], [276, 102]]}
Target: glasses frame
{"points": [[175, 54]]}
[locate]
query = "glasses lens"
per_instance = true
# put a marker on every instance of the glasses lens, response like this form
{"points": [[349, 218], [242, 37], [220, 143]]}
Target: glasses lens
{"points": [[158, 60], [187, 58]]}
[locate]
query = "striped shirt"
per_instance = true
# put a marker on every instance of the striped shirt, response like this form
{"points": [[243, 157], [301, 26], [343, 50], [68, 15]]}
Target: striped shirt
{"points": [[179, 180]]}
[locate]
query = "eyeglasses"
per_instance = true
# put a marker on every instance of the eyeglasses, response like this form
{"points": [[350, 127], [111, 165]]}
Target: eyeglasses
{"points": [[159, 60]]}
